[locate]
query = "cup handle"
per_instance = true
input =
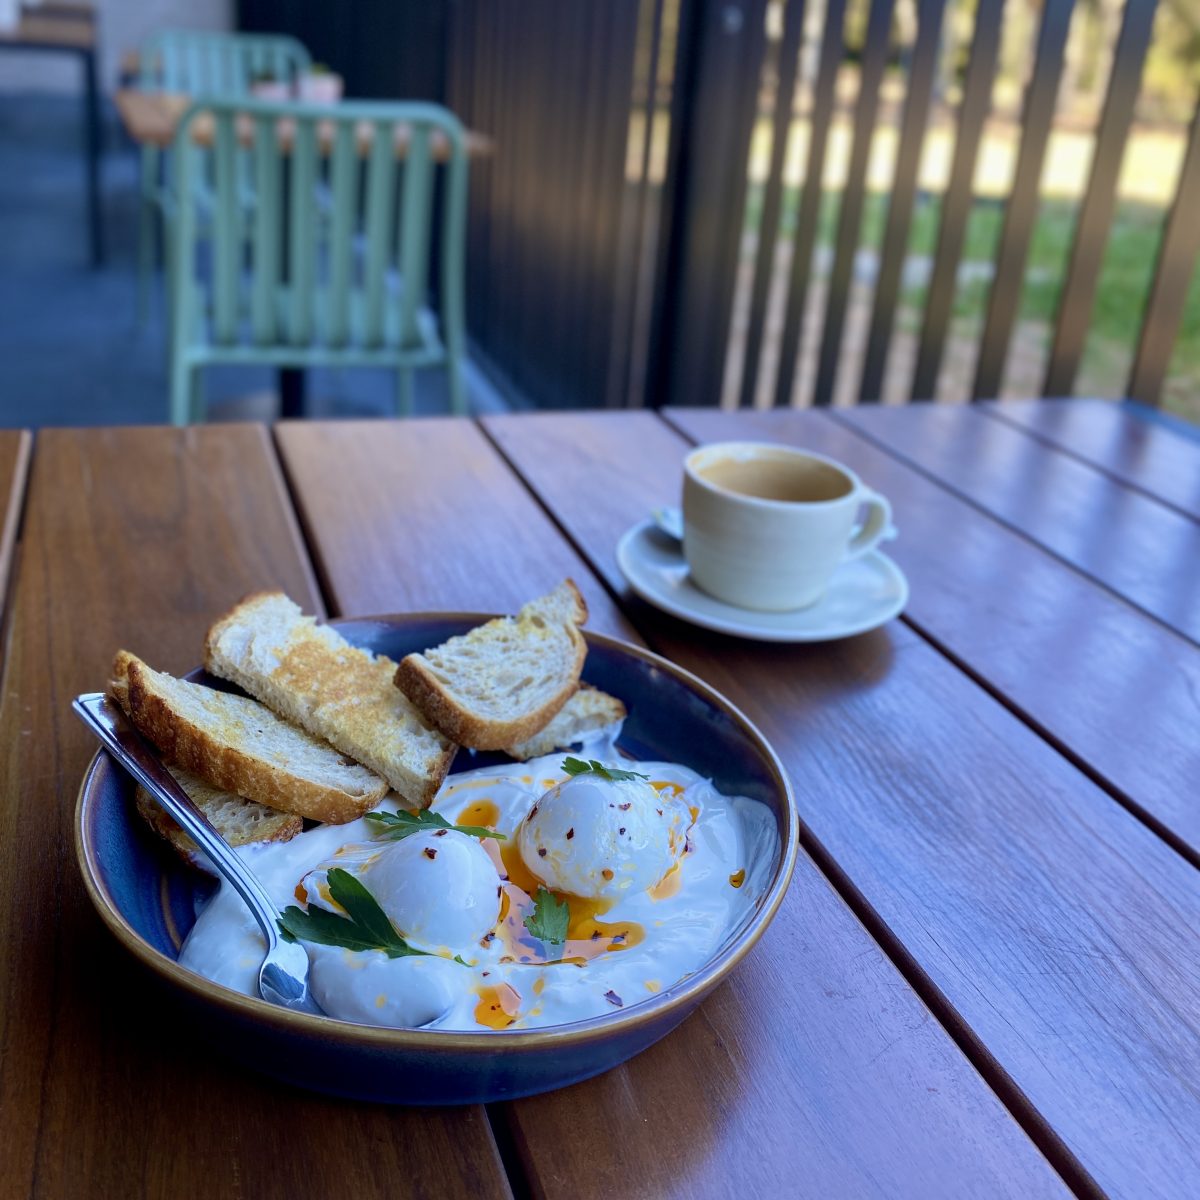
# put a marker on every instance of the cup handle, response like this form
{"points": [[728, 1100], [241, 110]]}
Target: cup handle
{"points": [[876, 525]]}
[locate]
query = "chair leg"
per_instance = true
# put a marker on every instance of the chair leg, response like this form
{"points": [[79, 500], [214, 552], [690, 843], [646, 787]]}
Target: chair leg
{"points": [[404, 392], [147, 214], [197, 406], [181, 384], [458, 390]]}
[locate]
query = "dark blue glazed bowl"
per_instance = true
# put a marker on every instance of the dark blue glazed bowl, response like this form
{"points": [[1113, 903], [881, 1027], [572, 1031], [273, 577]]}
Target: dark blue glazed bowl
{"points": [[147, 897]]}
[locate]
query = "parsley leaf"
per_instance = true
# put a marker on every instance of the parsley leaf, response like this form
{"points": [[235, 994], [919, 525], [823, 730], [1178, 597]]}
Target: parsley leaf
{"points": [[365, 926], [397, 826], [549, 919], [575, 766]]}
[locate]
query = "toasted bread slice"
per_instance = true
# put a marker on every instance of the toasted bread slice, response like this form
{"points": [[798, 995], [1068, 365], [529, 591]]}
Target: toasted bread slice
{"points": [[238, 821], [588, 710], [504, 681], [311, 675], [240, 746]]}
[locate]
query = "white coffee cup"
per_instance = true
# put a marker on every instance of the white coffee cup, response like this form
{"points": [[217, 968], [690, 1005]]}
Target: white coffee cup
{"points": [[766, 526]]}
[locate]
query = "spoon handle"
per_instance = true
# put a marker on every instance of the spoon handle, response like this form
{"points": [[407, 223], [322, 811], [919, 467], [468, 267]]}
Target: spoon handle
{"points": [[131, 750]]}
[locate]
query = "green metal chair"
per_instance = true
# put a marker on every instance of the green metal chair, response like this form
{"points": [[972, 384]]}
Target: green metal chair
{"points": [[201, 64], [332, 265]]}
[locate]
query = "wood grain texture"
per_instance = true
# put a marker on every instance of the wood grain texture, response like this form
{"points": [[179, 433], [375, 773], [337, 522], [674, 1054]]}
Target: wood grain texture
{"points": [[1139, 548], [404, 516], [1136, 450], [1046, 924], [1116, 689], [816, 1066], [137, 537], [15, 447]]}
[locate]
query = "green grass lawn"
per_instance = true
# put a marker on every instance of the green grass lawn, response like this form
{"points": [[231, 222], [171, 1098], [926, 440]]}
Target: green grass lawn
{"points": [[1125, 279]]}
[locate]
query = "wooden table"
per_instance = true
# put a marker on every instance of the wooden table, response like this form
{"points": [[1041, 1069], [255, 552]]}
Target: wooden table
{"points": [[985, 979], [59, 27]]}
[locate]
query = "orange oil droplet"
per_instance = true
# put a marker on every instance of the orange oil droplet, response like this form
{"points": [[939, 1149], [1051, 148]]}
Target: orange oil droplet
{"points": [[513, 865], [498, 1007], [482, 812], [738, 878], [665, 785], [302, 893], [538, 985], [667, 886]]}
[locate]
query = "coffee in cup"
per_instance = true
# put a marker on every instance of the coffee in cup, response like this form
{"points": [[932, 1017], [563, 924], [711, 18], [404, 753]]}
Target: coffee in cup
{"points": [[765, 526]]}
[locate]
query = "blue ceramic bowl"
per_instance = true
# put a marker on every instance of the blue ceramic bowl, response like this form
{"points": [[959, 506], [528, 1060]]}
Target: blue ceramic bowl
{"points": [[147, 898]]}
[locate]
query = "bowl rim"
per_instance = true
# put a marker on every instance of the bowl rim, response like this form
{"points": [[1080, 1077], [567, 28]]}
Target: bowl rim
{"points": [[680, 996]]}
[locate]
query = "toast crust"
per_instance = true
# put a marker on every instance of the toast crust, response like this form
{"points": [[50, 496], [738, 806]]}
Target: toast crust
{"points": [[338, 692], [193, 749], [415, 678]]}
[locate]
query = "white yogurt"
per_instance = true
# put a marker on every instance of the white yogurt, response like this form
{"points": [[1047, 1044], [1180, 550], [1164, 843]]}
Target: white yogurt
{"points": [[623, 945]]}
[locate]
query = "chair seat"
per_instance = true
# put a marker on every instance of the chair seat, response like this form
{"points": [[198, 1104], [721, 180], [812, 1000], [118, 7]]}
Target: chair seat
{"points": [[319, 346]]}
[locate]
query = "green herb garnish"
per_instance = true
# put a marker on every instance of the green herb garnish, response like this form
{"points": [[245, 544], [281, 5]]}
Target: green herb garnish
{"points": [[396, 827], [549, 919], [576, 766], [365, 926]]}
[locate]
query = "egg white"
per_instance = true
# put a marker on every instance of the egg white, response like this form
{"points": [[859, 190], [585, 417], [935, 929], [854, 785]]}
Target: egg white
{"points": [[731, 839]]}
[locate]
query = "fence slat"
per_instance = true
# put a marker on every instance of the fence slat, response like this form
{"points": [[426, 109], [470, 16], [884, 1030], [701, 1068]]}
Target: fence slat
{"points": [[832, 49], [874, 60], [956, 204], [1020, 213], [1172, 278], [1095, 217], [768, 234], [904, 189], [343, 173]]}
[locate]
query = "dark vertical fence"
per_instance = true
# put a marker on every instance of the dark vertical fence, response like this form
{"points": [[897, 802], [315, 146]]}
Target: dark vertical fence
{"points": [[609, 232], [558, 212]]}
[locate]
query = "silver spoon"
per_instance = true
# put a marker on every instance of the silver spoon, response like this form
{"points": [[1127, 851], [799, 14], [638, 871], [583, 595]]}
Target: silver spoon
{"points": [[283, 976]]}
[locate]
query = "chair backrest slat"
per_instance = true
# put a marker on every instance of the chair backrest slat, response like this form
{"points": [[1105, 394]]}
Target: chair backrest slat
{"points": [[810, 203], [302, 233], [416, 205], [267, 218], [956, 203], [227, 233], [1020, 213], [344, 176], [1095, 217], [902, 198], [381, 181]]}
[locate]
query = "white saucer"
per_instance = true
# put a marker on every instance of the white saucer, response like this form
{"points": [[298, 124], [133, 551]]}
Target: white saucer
{"points": [[863, 594]]}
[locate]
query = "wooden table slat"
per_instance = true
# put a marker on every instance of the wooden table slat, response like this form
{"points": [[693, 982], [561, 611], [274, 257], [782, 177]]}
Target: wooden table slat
{"points": [[1060, 933], [1141, 549], [420, 526], [1131, 446], [137, 538], [1114, 687], [816, 1066], [15, 448]]}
